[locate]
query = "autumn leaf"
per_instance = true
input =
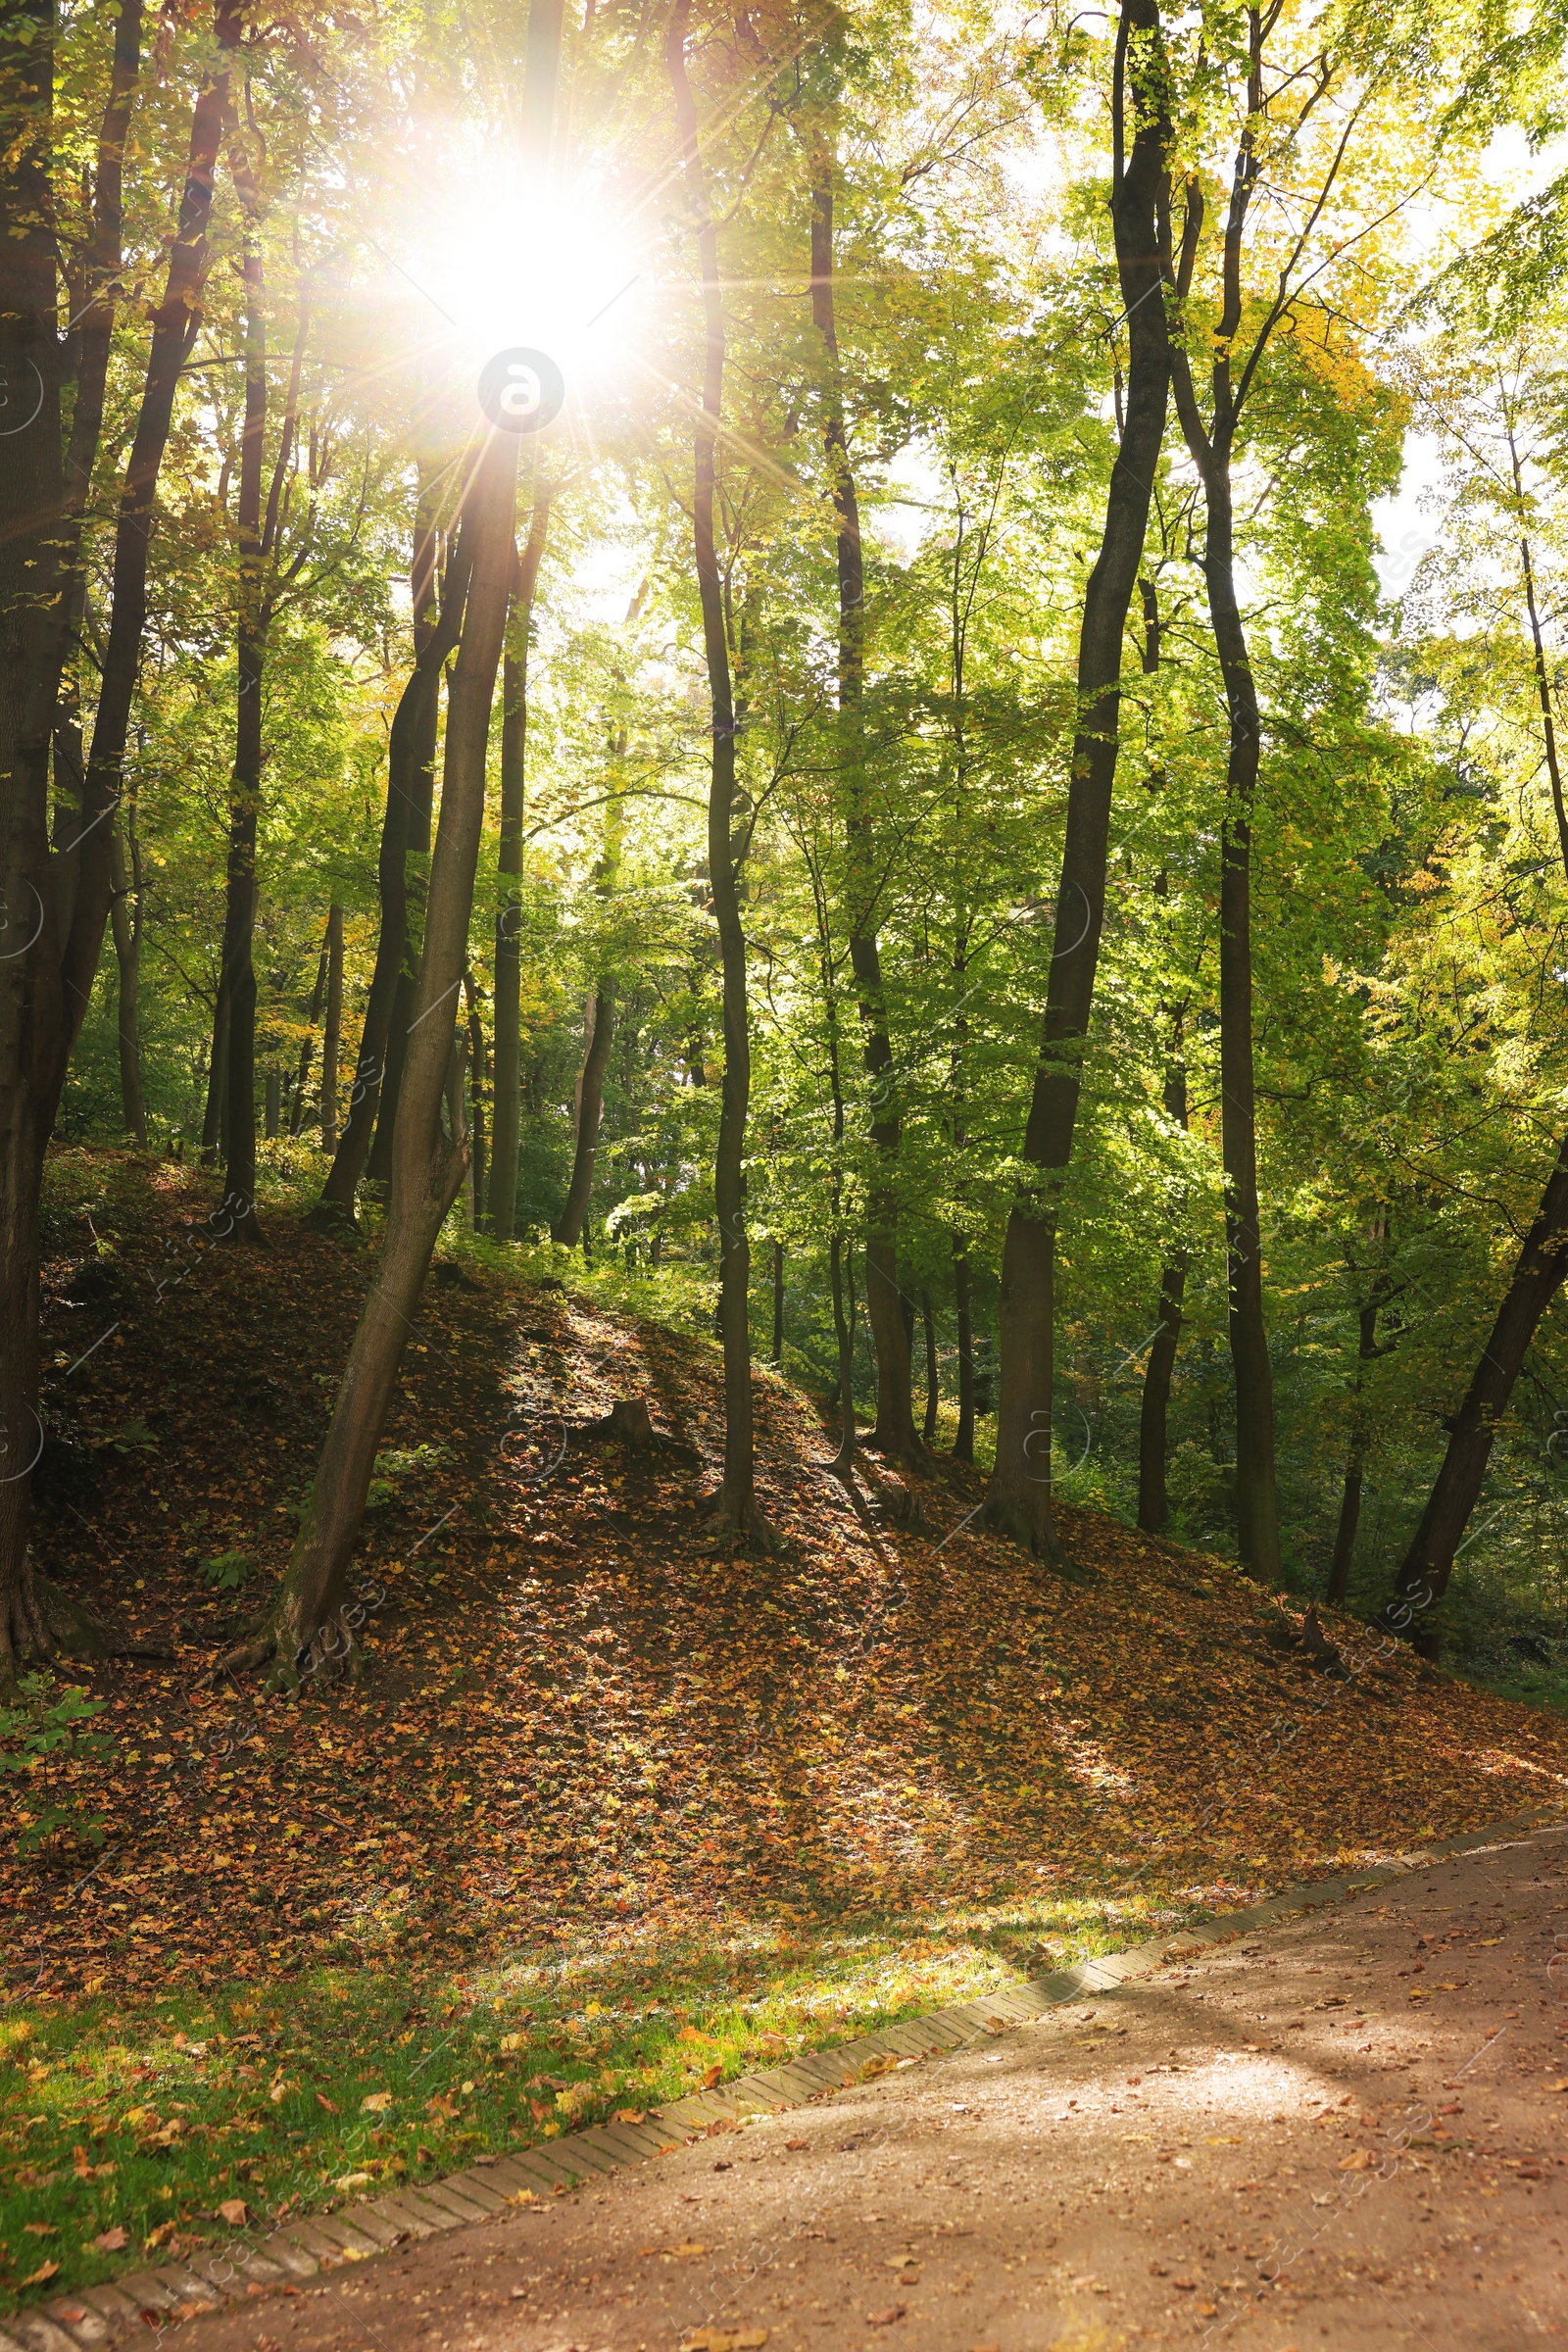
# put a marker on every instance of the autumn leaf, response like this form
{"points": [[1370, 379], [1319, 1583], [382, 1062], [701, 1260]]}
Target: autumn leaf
{"points": [[321, 2100], [710, 2077], [45, 2270], [375, 2102], [112, 2240], [233, 2211]]}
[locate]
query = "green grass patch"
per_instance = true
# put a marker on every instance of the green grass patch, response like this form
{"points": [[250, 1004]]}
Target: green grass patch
{"points": [[295, 2095]]}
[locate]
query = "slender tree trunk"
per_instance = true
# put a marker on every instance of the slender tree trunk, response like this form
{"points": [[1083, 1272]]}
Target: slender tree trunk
{"points": [[1154, 1505], [933, 1392], [428, 1171], [1018, 1494], [46, 986], [413, 733], [1538, 1274], [894, 1433], [1367, 1350], [296, 1116], [479, 1170], [508, 1025], [1428, 1564], [213, 1120], [126, 918], [778, 1302], [963, 1435], [275, 1100], [569, 1226], [331, 1035], [735, 1502]]}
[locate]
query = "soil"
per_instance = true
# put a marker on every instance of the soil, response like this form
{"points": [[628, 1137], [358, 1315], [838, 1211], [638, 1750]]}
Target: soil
{"points": [[1347, 2132]]}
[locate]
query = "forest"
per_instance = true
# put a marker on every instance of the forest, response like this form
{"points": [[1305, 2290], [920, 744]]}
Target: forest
{"points": [[898, 671], [783, 1035]]}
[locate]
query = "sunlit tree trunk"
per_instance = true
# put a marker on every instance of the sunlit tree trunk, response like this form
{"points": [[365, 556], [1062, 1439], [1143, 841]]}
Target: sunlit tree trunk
{"points": [[296, 1116], [507, 1106], [428, 1168], [414, 723], [735, 1502], [1154, 1505], [126, 918], [331, 1035], [894, 1433], [590, 1103], [1018, 1494]]}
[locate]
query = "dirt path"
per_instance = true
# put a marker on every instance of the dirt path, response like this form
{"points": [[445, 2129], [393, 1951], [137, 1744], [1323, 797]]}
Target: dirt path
{"points": [[1353, 2132]]}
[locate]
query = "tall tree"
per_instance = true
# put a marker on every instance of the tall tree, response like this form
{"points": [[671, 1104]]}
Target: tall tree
{"points": [[894, 1432], [507, 1121], [1018, 1494], [735, 1502], [61, 905], [428, 1165]]}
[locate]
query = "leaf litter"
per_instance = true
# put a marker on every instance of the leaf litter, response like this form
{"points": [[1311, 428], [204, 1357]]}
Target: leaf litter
{"points": [[620, 1809]]}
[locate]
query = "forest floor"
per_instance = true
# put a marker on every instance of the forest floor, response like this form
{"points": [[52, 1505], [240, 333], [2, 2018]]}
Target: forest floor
{"points": [[614, 1808], [1344, 2135]]}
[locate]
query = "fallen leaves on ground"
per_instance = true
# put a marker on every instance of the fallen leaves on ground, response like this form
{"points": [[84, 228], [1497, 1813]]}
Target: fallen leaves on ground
{"points": [[608, 1773]]}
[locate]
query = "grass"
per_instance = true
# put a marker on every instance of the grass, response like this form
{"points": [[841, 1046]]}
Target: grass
{"points": [[295, 2096]]}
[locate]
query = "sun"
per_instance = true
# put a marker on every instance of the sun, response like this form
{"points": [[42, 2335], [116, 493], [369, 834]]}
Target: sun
{"points": [[506, 265]]}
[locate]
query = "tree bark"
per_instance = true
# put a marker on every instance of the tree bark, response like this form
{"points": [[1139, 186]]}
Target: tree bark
{"points": [[933, 1393], [963, 1435], [778, 1302], [1018, 1494], [478, 1180], [735, 1502], [275, 1100], [569, 1226], [894, 1433], [245, 782], [296, 1116], [415, 722], [1367, 1350], [507, 1124], [427, 1169], [124, 911], [332, 1033], [1154, 1504]]}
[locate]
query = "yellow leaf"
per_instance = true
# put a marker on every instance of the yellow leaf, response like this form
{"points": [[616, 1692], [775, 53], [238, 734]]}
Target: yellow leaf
{"points": [[45, 2270], [375, 2102]]}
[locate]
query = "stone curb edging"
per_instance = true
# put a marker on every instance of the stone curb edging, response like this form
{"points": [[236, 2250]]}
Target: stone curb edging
{"points": [[89, 2318]]}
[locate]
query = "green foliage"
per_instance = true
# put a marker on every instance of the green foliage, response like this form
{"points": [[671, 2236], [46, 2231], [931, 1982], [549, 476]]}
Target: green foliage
{"points": [[227, 1571], [42, 1736]]}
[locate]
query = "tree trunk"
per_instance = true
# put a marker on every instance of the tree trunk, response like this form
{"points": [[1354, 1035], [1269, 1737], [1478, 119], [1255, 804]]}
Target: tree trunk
{"points": [[478, 1180], [964, 1437], [1367, 1352], [413, 740], [1154, 1504], [125, 920], [428, 1171], [296, 1116], [257, 552], [567, 1227], [778, 1302], [1018, 1494], [215, 1119], [1538, 1274], [333, 1031], [46, 985], [275, 1100], [933, 1394], [735, 1502], [894, 1433], [508, 1025]]}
